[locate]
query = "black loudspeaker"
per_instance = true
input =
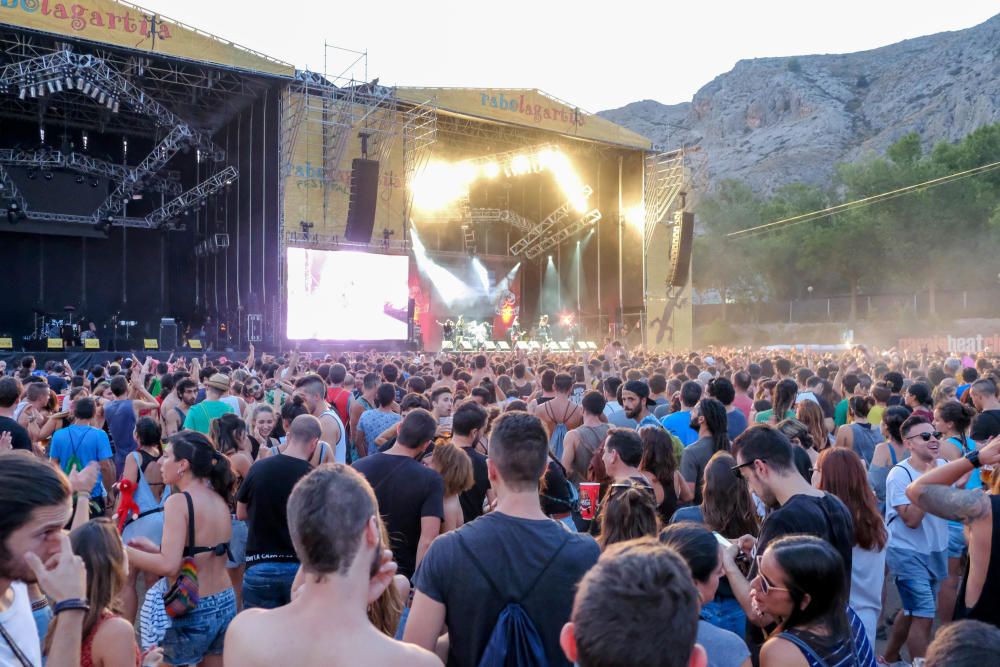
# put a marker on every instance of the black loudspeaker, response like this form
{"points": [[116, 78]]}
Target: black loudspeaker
{"points": [[168, 334], [364, 196], [680, 248]]}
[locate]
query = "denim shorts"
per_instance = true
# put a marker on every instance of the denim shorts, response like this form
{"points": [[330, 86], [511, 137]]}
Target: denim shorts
{"points": [[725, 613], [201, 631], [956, 540], [918, 596], [237, 544], [268, 585]]}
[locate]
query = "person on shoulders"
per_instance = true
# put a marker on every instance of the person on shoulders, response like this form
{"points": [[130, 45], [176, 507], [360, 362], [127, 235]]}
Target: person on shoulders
{"points": [[333, 521]]}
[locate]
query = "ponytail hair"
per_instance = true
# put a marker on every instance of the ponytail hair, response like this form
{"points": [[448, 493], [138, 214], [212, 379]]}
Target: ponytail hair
{"points": [[861, 405], [206, 462]]}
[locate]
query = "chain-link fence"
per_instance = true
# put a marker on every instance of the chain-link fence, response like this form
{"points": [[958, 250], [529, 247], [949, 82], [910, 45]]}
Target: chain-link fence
{"points": [[947, 304]]}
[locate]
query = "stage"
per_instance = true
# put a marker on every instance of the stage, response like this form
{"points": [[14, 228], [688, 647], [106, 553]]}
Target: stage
{"points": [[186, 177]]}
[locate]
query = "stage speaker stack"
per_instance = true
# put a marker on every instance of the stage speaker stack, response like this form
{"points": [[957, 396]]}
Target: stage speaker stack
{"points": [[364, 196], [680, 248], [168, 333]]}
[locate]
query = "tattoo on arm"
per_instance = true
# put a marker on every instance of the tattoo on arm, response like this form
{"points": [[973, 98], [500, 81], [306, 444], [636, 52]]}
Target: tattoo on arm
{"points": [[953, 504]]}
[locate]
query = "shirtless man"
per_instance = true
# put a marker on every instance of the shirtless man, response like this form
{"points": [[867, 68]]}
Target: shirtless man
{"points": [[344, 569], [365, 402], [173, 418], [447, 371]]}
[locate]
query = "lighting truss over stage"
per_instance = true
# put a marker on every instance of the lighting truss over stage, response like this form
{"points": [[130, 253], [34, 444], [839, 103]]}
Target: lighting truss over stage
{"points": [[62, 71], [538, 236], [46, 158]]}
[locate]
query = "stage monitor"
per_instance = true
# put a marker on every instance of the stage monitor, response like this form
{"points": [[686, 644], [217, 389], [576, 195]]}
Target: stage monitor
{"points": [[347, 295]]}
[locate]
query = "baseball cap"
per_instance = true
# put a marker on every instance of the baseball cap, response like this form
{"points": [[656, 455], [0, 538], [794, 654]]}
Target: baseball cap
{"points": [[640, 389]]}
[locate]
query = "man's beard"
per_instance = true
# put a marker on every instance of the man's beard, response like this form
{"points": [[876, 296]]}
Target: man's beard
{"points": [[633, 414], [694, 425], [16, 570]]}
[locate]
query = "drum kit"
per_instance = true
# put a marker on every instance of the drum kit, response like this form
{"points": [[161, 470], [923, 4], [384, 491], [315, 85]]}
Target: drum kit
{"points": [[72, 330]]}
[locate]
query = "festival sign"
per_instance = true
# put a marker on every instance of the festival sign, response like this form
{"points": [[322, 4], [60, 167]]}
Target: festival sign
{"points": [[125, 25], [952, 344], [527, 107]]}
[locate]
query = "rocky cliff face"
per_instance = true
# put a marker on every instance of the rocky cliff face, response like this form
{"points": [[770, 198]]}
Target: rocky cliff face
{"points": [[773, 121]]}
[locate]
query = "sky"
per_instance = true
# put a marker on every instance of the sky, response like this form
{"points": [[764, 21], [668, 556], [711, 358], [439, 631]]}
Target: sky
{"points": [[595, 55]]}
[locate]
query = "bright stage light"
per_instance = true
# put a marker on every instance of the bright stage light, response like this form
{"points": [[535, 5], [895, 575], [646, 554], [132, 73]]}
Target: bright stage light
{"points": [[520, 165], [491, 170], [636, 216], [451, 288], [481, 273], [566, 319], [439, 184]]}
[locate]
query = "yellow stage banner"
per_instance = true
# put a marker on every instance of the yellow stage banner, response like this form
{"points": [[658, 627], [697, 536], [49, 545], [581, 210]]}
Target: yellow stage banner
{"points": [[6, 343], [318, 182], [129, 26], [91, 344], [54, 343], [150, 344], [528, 107], [194, 343]]}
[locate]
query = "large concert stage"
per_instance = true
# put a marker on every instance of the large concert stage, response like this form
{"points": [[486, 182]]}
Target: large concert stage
{"points": [[153, 171]]}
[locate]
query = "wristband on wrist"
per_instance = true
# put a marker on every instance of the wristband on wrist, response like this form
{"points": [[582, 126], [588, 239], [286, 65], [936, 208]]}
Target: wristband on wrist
{"points": [[71, 604], [973, 458]]}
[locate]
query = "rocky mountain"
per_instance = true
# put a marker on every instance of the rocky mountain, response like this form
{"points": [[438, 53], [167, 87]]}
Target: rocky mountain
{"points": [[772, 121]]}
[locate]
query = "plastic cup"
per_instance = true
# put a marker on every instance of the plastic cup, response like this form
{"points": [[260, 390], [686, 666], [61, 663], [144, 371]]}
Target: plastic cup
{"points": [[588, 499]]}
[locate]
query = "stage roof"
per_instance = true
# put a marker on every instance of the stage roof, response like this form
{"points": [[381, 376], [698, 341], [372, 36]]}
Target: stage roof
{"points": [[125, 25], [528, 107]]}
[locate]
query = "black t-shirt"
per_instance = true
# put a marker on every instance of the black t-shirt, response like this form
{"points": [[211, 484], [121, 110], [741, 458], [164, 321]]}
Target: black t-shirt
{"points": [[406, 491], [513, 552], [265, 491], [826, 517], [19, 435], [985, 425], [472, 500]]}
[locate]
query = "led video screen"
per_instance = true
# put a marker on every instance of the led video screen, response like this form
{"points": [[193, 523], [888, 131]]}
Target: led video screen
{"points": [[346, 295]]}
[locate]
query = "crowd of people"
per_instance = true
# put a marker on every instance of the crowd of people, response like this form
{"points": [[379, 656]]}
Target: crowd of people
{"points": [[726, 508]]}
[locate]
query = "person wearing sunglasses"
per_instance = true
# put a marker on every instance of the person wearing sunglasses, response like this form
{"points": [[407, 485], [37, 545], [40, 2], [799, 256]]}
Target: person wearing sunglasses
{"points": [[917, 557], [800, 582], [764, 459]]}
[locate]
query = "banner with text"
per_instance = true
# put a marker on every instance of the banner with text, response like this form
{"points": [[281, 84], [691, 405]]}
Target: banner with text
{"points": [[952, 344], [129, 26]]}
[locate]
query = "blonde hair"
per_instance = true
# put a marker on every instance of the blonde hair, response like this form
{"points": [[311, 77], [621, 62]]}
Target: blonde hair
{"points": [[455, 468]]}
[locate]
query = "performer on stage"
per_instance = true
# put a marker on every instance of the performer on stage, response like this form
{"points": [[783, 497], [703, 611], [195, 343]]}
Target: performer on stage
{"points": [[515, 332], [544, 330], [447, 329], [460, 327]]}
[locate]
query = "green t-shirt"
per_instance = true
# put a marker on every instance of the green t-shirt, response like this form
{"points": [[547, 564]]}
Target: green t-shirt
{"points": [[840, 413], [200, 416], [764, 417], [155, 386]]}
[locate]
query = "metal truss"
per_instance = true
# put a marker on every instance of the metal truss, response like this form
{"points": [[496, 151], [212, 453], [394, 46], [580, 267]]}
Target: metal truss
{"points": [[537, 233], [10, 190], [44, 216], [178, 137], [193, 196], [487, 215], [666, 176], [47, 158], [419, 134], [301, 239], [64, 70], [206, 95], [588, 219]]}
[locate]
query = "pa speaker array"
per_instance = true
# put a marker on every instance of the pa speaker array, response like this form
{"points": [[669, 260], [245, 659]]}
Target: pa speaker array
{"points": [[680, 248]]}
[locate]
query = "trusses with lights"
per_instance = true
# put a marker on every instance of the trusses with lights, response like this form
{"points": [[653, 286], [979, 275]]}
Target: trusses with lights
{"points": [[46, 158], [62, 71], [537, 234], [192, 197], [667, 175]]}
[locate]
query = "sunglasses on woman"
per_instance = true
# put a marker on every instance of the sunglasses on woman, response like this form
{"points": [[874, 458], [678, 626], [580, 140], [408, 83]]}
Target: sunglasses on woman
{"points": [[765, 585]]}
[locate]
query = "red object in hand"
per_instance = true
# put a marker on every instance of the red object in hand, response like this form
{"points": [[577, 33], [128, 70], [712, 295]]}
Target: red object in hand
{"points": [[127, 506]]}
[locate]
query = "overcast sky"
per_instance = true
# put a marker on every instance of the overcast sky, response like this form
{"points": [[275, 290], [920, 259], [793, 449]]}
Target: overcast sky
{"points": [[596, 55]]}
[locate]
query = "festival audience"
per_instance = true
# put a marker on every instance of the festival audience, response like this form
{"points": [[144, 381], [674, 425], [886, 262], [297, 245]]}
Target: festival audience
{"points": [[468, 501]]}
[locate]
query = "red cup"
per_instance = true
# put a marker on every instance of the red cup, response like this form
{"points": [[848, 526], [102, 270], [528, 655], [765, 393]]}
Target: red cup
{"points": [[588, 499]]}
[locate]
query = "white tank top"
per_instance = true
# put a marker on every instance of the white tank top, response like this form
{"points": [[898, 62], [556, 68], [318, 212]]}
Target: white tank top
{"points": [[340, 449]]}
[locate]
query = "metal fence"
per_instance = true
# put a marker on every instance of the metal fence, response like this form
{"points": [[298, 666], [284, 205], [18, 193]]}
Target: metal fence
{"points": [[950, 304]]}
